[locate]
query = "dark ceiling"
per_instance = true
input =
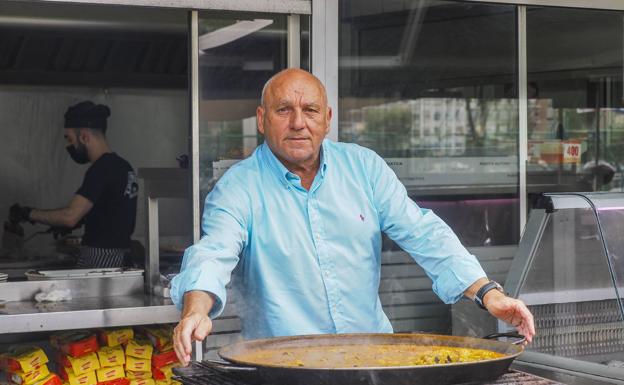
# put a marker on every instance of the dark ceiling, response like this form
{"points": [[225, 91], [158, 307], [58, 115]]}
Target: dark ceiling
{"points": [[101, 50]]}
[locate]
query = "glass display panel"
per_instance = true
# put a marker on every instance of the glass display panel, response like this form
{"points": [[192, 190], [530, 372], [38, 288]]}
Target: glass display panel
{"points": [[431, 87], [232, 73], [610, 212], [569, 290], [575, 119]]}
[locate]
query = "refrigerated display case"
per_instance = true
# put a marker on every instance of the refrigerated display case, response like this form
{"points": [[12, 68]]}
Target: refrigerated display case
{"points": [[569, 271]]}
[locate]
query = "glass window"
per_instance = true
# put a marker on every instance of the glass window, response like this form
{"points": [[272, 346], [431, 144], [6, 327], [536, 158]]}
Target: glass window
{"points": [[576, 120], [233, 67], [572, 285], [431, 87]]}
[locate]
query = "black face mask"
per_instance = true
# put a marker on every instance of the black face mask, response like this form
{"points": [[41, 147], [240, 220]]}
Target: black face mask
{"points": [[78, 154]]}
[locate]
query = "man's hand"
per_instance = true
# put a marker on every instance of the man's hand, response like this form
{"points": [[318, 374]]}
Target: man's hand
{"points": [[512, 311], [19, 213], [195, 325]]}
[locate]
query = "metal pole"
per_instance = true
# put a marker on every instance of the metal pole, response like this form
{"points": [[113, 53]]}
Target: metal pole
{"points": [[294, 41], [523, 114]]}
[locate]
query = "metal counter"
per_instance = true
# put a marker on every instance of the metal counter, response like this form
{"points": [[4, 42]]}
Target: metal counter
{"points": [[91, 312], [97, 302]]}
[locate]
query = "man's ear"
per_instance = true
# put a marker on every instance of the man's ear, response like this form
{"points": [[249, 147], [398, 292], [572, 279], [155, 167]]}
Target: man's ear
{"points": [[329, 118], [260, 119], [83, 135]]}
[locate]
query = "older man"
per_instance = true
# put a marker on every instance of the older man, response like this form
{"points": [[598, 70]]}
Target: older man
{"points": [[305, 215]]}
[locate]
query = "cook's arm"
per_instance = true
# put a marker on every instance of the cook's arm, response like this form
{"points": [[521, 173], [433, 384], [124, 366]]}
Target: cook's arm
{"points": [[195, 325], [67, 216], [510, 310]]}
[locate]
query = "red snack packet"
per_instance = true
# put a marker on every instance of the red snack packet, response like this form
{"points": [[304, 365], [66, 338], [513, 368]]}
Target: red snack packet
{"points": [[162, 359]]}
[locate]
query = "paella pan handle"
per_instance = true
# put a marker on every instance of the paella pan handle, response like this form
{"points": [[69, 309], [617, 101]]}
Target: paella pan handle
{"points": [[226, 367], [520, 338]]}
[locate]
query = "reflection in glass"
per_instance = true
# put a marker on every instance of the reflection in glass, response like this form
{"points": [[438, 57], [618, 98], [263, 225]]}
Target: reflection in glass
{"points": [[431, 87], [576, 121], [240, 53]]}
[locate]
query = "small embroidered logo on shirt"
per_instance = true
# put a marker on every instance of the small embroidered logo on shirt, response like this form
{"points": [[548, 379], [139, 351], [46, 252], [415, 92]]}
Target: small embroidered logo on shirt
{"points": [[362, 217]]}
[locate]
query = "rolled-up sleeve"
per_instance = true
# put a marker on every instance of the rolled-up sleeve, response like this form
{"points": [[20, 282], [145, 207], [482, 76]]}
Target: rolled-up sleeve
{"points": [[208, 264], [421, 233]]}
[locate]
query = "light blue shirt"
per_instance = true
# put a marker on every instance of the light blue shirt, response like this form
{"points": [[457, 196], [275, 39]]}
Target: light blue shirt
{"points": [[310, 261]]}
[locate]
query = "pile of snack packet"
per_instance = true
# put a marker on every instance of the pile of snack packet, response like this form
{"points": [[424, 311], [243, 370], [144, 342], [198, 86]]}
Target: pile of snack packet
{"points": [[123, 356]]}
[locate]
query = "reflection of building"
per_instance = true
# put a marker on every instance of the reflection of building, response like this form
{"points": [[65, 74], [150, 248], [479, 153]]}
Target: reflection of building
{"points": [[437, 126]]}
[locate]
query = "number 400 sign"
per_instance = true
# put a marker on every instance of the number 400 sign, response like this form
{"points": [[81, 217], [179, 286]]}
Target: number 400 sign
{"points": [[571, 151]]}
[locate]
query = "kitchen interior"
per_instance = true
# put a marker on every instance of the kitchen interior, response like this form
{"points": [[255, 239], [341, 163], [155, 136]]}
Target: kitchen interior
{"points": [[479, 116]]}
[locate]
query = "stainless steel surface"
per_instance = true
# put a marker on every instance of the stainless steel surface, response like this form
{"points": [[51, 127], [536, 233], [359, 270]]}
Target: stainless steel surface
{"points": [[159, 183], [91, 312], [523, 115], [594, 4], [80, 288], [294, 41], [194, 129], [275, 6], [574, 368], [579, 329], [325, 54]]}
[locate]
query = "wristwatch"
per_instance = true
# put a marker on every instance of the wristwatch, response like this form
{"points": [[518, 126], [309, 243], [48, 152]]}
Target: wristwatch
{"points": [[492, 285]]}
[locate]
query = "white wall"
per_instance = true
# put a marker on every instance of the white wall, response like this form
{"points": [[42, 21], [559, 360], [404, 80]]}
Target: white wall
{"points": [[149, 128]]}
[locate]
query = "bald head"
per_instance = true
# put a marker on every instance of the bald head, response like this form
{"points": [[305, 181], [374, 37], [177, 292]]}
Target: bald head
{"points": [[289, 75], [294, 118]]}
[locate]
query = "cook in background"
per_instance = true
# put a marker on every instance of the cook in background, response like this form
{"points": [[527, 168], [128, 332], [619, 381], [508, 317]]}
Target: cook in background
{"points": [[106, 201], [303, 215]]}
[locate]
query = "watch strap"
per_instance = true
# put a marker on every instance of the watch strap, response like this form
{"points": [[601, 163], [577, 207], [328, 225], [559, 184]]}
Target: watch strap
{"points": [[492, 285]]}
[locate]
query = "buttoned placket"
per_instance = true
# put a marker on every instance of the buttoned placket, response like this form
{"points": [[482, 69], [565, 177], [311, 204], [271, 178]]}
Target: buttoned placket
{"points": [[326, 263]]}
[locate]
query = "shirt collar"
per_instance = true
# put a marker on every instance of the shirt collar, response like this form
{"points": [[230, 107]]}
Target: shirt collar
{"points": [[277, 167]]}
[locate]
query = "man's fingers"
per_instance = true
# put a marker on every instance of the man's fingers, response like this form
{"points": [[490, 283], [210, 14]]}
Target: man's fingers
{"points": [[177, 346], [202, 330]]}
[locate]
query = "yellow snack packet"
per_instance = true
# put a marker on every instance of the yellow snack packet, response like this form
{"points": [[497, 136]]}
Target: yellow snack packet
{"points": [[138, 364], [111, 356], [24, 358], [144, 381], [87, 378], [115, 337], [132, 375], [139, 348], [27, 378], [86, 363], [162, 382], [111, 373]]}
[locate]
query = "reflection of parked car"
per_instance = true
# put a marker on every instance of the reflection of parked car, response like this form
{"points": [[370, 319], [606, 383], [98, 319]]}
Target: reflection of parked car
{"points": [[602, 173]]}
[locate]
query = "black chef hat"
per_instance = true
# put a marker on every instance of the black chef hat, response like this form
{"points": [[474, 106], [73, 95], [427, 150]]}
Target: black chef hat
{"points": [[87, 114]]}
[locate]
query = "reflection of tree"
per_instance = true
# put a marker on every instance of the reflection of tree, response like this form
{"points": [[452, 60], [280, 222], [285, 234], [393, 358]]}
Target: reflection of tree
{"points": [[388, 130]]}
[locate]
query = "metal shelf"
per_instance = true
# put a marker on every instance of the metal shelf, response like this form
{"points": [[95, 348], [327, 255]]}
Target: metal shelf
{"points": [[88, 312]]}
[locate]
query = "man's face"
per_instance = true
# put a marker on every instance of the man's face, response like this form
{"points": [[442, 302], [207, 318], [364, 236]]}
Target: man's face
{"points": [[294, 119], [71, 137]]}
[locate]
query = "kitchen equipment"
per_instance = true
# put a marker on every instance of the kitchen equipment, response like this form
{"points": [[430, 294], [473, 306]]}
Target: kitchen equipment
{"points": [[198, 373], [438, 374], [43, 275], [12, 237]]}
